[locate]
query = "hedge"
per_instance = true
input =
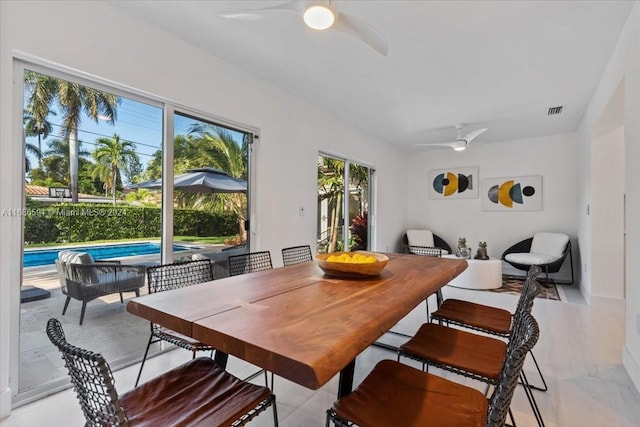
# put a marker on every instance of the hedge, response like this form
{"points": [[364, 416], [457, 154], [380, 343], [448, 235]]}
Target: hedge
{"points": [[81, 222]]}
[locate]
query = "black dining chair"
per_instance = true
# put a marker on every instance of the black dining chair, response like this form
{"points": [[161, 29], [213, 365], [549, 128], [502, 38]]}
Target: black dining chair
{"points": [[472, 355], [296, 255], [173, 276], [199, 392], [394, 394], [249, 263]]}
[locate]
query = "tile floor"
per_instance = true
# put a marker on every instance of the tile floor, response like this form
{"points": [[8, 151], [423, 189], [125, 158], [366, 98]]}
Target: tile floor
{"points": [[579, 351]]}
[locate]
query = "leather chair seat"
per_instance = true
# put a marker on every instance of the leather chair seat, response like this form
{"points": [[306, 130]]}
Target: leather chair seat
{"points": [[440, 345], [198, 393], [474, 315], [394, 395]]}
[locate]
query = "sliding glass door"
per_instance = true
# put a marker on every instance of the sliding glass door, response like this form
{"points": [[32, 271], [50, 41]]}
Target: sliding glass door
{"points": [[98, 163], [338, 201]]}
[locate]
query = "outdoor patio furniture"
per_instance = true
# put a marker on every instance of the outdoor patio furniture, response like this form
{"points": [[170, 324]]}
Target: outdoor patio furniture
{"points": [[398, 395], [296, 255], [84, 279], [198, 392], [173, 276]]}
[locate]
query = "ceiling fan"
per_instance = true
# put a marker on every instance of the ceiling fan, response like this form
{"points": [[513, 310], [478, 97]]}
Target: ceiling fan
{"points": [[322, 15], [461, 141]]}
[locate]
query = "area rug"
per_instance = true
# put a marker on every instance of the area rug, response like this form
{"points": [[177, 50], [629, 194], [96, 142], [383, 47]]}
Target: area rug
{"points": [[514, 284]]}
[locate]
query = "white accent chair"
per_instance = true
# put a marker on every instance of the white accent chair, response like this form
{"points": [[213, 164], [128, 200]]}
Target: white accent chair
{"points": [[548, 250]]}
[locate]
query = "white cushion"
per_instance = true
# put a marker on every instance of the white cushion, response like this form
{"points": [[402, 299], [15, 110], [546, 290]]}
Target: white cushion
{"points": [[550, 244], [420, 238], [529, 258], [75, 257]]}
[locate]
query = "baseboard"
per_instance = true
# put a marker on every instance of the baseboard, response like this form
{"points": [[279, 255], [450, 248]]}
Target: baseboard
{"points": [[632, 367], [607, 302], [5, 403]]}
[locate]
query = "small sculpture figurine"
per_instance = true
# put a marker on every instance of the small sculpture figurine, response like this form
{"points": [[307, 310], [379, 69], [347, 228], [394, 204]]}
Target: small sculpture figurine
{"points": [[463, 251], [482, 251]]}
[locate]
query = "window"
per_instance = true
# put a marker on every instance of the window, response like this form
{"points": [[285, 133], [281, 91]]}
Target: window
{"points": [[95, 174]]}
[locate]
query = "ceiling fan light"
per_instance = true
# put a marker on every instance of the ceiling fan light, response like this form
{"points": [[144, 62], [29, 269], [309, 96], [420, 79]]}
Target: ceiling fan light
{"points": [[319, 17], [461, 148]]}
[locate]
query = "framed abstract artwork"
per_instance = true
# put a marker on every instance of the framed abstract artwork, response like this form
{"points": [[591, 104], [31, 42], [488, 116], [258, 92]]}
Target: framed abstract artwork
{"points": [[453, 183], [522, 193]]}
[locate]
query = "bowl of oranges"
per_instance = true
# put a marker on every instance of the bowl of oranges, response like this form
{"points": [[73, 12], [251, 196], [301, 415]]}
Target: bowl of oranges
{"points": [[358, 264]]}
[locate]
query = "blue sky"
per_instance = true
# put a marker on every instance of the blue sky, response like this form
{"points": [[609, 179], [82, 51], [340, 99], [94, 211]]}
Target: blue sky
{"points": [[136, 122]]}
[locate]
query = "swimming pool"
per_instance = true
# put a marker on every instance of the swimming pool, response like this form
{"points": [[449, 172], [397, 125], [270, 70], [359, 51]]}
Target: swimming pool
{"points": [[36, 257]]}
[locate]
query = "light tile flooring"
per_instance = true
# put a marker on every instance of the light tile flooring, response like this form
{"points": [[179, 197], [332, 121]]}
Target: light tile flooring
{"points": [[579, 351]]}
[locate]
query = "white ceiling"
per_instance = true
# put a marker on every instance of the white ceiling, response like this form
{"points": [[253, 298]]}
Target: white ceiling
{"points": [[495, 64]]}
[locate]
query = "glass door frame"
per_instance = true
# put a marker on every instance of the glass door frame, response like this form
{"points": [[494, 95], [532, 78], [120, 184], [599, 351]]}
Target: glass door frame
{"points": [[22, 62], [371, 190]]}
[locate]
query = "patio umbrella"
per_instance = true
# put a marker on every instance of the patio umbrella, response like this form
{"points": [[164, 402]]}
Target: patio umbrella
{"points": [[201, 180]]}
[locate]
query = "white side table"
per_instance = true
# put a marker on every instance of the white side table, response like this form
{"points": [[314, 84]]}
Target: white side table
{"points": [[480, 274]]}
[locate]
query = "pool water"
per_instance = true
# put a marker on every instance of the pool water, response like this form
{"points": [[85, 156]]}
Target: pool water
{"points": [[36, 257]]}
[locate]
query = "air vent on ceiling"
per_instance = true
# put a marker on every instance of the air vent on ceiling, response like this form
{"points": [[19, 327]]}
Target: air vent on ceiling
{"points": [[554, 110]]}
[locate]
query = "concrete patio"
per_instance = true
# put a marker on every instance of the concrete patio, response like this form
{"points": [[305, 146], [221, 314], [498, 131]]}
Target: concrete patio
{"points": [[108, 328]]}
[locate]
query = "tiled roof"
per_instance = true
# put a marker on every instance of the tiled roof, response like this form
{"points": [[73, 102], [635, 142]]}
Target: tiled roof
{"points": [[36, 190], [41, 191]]}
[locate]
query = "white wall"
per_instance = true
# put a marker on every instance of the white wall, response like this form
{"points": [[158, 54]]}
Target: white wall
{"points": [[97, 39], [624, 66], [607, 215], [553, 157]]}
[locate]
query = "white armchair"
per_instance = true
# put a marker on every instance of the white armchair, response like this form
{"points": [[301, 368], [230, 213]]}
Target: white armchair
{"points": [[548, 250]]}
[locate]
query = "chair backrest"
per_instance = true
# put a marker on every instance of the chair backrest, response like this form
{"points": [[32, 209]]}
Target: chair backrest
{"points": [[80, 275], [249, 263], [177, 275], [420, 238], [500, 401], [529, 292], [92, 380], [296, 255], [553, 244]]}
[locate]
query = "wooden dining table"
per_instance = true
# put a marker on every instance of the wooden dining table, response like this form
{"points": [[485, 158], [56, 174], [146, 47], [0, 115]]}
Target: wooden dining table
{"points": [[296, 322]]}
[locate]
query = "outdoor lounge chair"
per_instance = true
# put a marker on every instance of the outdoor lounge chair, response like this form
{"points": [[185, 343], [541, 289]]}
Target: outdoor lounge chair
{"points": [[84, 279]]}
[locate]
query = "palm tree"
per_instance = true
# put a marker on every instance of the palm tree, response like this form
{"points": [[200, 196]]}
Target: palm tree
{"points": [[73, 99], [331, 187], [36, 152], [208, 145], [37, 125], [113, 154]]}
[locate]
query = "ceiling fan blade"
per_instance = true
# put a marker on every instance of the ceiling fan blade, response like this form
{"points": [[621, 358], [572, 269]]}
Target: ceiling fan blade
{"points": [[296, 6], [472, 135], [438, 144], [362, 31]]}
